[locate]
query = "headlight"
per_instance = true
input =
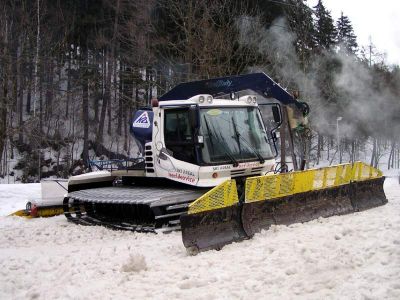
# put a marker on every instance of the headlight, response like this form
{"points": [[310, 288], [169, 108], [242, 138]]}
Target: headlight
{"points": [[254, 99], [201, 99], [249, 100], [209, 99]]}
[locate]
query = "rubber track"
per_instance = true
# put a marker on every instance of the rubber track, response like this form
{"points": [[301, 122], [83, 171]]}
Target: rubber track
{"points": [[79, 217], [152, 208]]}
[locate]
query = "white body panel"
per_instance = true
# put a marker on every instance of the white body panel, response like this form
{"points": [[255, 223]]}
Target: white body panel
{"points": [[97, 176], [208, 176], [202, 176], [53, 192]]}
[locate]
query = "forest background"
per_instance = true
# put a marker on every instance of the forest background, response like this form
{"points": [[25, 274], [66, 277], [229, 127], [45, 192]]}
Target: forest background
{"points": [[73, 72]]}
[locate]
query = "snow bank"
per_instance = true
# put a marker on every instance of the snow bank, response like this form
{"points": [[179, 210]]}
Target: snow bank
{"points": [[353, 257], [14, 197]]}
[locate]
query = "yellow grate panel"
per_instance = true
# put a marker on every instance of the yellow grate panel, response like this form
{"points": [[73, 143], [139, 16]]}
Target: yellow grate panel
{"points": [[278, 185], [220, 196]]}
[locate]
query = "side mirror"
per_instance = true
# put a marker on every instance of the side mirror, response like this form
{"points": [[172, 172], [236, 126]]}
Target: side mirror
{"points": [[277, 114], [193, 117]]}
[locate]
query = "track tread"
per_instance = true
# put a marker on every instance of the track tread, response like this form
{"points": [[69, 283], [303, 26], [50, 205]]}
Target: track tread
{"points": [[141, 209]]}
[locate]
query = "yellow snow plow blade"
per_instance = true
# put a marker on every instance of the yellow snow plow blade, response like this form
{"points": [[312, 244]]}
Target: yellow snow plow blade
{"points": [[279, 185], [282, 199]]}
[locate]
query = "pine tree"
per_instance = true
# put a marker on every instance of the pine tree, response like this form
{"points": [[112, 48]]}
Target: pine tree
{"points": [[325, 29], [300, 20], [345, 35]]}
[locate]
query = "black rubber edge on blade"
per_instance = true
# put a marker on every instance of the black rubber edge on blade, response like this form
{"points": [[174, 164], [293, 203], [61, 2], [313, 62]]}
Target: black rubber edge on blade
{"points": [[214, 229], [299, 208]]}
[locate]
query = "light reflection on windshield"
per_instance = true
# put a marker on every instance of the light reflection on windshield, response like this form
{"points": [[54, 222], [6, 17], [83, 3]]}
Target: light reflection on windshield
{"points": [[233, 134]]}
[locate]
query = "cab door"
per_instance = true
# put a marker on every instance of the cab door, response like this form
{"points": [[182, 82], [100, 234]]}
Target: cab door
{"points": [[178, 134]]}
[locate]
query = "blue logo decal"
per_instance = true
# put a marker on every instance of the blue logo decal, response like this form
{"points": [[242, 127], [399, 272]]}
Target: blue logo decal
{"points": [[142, 121]]}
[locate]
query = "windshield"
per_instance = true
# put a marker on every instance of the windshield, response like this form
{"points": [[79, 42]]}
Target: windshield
{"points": [[233, 134]]}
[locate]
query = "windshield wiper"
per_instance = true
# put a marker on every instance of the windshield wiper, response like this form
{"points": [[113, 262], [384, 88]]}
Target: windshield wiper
{"points": [[212, 135], [234, 161], [239, 136], [209, 134]]}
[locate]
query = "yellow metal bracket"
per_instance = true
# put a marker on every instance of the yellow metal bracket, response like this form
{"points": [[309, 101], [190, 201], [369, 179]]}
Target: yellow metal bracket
{"points": [[222, 195]]}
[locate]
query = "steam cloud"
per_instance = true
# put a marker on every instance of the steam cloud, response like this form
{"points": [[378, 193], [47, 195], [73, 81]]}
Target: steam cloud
{"points": [[364, 98]]}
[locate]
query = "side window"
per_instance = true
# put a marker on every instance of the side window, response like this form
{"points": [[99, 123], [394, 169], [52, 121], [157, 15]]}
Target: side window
{"points": [[178, 135], [177, 127]]}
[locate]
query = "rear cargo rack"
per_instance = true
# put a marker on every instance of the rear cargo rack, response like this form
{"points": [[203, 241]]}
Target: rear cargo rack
{"points": [[118, 164]]}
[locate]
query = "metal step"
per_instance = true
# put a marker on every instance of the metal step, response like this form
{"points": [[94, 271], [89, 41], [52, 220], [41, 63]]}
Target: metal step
{"points": [[174, 222], [177, 206], [168, 215]]}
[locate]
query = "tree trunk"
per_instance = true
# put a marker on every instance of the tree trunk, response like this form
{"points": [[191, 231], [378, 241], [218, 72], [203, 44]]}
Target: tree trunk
{"points": [[391, 156], [282, 132], [106, 98], [137, 104], [67, 103], [328, 148], [85, 107], [37, 56], [3, 112], [29, 92], [100, 94], [353, 151], [120, 104], [20, 115], [21, 86], [49, 90], [318, 147], [125, 113], [373, 152], [109, 112], [150, 85], [40, 94], [14, 79]]}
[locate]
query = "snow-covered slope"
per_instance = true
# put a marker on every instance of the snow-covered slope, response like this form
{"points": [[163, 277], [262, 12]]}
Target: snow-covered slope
{"points": [[344, 257]]}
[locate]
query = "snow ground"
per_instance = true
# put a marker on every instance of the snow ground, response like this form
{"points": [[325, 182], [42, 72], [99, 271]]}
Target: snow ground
{"points": [[343, 257]]}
